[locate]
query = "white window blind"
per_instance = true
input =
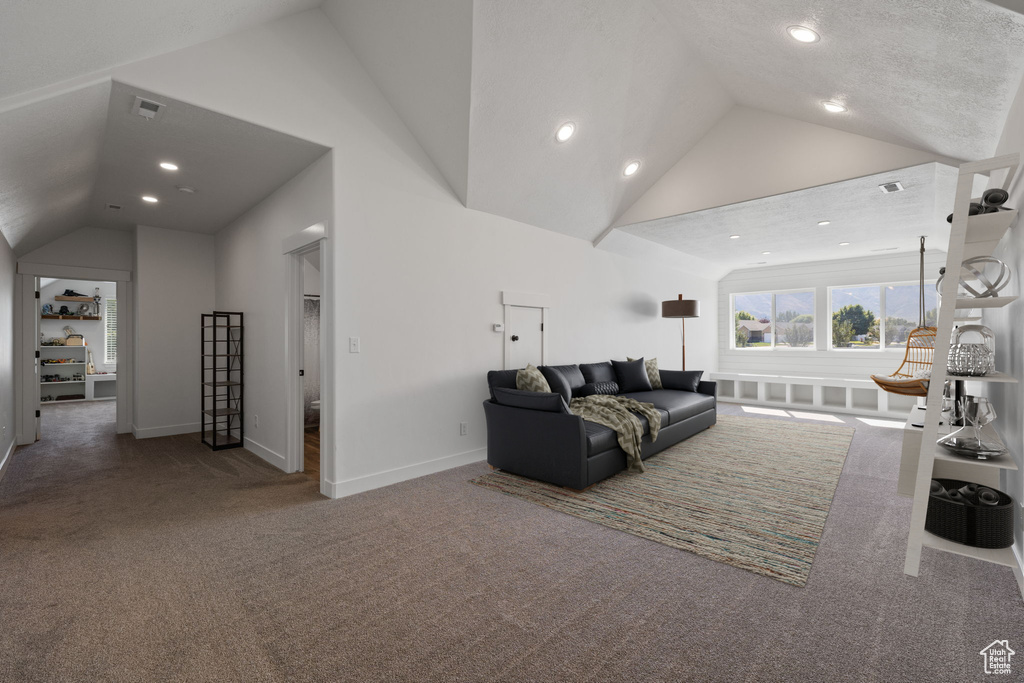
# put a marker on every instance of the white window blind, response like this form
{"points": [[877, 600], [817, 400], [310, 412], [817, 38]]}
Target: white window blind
{"points": [[110, 338]]}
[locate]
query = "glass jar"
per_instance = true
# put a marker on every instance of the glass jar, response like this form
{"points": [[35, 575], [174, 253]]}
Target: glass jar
{"points": [[972, 358]]}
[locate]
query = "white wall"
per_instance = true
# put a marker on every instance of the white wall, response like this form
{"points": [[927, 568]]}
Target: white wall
{"points": [[752, 153], [418, 276], [174, 285], [8, 266], [818, 276], [94, 331], [91, 247], [1008, 399]]}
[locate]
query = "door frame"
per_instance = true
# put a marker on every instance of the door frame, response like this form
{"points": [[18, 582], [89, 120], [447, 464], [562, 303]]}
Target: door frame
{"points": [[526, 300], [25, 341], [294, 249]]}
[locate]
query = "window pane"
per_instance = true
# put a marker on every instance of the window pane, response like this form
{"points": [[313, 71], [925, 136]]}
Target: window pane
{"points": [[753, 324], [855, 317], [901, 313], [794, 319]]}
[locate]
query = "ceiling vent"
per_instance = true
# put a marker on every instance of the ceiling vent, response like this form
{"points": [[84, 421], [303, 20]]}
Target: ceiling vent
{"points": [[147, 109], [114, 207], [888, 188]]}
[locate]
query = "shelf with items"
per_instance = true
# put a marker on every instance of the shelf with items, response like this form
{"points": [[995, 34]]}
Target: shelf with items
{"points": [[70, 317], [222, 380], [923, 459]]}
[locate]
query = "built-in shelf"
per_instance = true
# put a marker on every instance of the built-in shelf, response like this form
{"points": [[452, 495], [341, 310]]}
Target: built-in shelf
{"points": [[76, 299], [70, 317], [58, 365], [70, 381]]}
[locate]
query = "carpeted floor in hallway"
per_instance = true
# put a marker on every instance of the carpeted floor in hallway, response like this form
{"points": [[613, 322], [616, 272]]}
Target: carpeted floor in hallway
{"points": [[158, 560]]}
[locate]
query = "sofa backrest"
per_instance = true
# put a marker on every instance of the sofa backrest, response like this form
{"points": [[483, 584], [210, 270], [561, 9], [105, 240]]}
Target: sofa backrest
{"points": [[598, 372], [501, 378]]}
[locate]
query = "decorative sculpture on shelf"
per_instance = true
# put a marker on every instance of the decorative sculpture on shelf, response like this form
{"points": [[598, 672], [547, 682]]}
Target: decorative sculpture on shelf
{"points": [[981, 276], [972, 359], [972, 439]]}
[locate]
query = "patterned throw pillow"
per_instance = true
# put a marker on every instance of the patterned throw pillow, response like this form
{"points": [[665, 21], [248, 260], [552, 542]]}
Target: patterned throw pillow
{"points": [[652, 372], [531, 379], [593, 388]]}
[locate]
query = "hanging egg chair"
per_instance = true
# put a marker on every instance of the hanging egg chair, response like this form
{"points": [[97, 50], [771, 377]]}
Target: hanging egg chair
{"points": [[911, 378]]}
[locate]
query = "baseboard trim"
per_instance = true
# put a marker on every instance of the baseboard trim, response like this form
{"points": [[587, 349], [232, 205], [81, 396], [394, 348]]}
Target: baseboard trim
{"points": [[348, 487], [7, 458], [275, 459], [169, 430]]}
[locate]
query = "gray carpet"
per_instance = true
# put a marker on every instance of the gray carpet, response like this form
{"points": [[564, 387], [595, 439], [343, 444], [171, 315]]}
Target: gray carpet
{"points": [[157, 560]]}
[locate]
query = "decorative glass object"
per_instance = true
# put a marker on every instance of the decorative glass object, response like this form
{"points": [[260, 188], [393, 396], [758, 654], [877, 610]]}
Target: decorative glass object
{"points": [[974, 440], [972, 359], [980, 277]]}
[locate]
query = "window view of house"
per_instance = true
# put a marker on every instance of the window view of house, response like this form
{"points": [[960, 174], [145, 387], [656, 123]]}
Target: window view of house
{"points": [[752, 320], [855, 317], [794, 319]]}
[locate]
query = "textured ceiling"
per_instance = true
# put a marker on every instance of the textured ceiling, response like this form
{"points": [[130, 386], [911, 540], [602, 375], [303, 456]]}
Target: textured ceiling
{"points": [[232, 164], [49, 157], [787, 224], [46, 41], [615, 69], [937, 75]]}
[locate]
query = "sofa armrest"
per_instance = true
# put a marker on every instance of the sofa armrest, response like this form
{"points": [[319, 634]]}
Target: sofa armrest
{"points": [[551, 447], [709, 388]]}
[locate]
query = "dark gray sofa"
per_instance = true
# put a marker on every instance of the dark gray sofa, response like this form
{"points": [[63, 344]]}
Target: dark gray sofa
{"points": [[563, 449]]}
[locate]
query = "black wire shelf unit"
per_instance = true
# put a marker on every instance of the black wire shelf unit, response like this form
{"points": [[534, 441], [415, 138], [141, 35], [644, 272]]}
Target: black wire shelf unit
{"points": [[223, 379]]}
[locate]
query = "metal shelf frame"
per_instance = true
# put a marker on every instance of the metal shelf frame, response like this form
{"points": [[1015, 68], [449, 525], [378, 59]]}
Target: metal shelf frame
{"points": [[222, 379]]}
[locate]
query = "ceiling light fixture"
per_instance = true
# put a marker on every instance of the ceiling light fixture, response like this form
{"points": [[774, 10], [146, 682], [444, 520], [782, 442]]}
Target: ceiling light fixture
{"points": [[803, 34], [765, 253], [833, 107], [149, 198], [186, 189], [168, 166], [631, 168], [844, 244], [565, 131], [824, 222], [734, 237]]}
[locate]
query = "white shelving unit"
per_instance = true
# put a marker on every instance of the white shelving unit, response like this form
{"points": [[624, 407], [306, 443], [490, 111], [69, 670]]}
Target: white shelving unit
{"points": [[86, 386], [969, 236]]}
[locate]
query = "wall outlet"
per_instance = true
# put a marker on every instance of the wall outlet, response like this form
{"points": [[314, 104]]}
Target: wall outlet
{"points": [[353, 344], [256, 421], [463, 428]]}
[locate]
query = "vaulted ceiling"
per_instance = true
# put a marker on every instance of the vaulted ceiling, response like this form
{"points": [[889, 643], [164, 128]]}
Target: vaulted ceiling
{"points": [[484, 84]]}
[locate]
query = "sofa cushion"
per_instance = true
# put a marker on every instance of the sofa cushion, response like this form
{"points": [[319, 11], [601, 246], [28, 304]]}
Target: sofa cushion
{"points": [[680, 405], [631, 375], [531, 400], [563, 379], [681, 380], [601, 438], [598, 372], [610, 388], [531, 379], [653, 376]]}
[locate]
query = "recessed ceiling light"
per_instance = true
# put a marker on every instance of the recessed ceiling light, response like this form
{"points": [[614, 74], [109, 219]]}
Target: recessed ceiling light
{"points": [[824, 222], [631, 168], [803, 34], [844, 244], [734, 237], [149, 198], [565, 131], [765, 253], [186, 189], [168, 166], [833, 107]]}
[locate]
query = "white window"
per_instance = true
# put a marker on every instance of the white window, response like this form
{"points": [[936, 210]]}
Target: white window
{"points": [[773, 320], [858, 312], [110, 328]]}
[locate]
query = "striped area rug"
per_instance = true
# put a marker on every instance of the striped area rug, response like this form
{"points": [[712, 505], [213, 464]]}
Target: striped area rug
{"points": [[748, 492]]}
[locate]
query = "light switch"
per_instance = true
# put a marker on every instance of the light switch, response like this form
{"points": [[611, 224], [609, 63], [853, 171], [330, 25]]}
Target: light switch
{"points": [[353, 344]]}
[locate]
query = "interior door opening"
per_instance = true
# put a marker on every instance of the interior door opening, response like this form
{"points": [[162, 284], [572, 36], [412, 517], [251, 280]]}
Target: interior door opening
{"points": [[311, 375]]}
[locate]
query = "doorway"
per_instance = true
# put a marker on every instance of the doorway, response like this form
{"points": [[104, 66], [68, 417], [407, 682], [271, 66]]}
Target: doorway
{"points": [[526, 338], [311, 291]]}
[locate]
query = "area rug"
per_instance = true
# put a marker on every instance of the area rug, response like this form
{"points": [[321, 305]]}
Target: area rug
{"points": [[748, 492]]}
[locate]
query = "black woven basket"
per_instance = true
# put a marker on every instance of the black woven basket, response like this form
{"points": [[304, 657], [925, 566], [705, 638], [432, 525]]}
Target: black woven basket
{"points": [[980, 526]]}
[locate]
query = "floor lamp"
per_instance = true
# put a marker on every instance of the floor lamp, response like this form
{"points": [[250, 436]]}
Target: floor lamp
{"points": [[681, 308]]}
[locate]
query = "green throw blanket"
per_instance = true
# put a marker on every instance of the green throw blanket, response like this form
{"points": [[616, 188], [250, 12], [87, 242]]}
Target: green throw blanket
{"points": [[615, 412]]}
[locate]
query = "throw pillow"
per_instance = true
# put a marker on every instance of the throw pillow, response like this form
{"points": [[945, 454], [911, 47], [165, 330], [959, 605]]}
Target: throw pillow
{"points": [[652, 372], [597, 372], [531, 400], [531, 379], [631, 376], [597, 388], [563, 379], [681, 380]]}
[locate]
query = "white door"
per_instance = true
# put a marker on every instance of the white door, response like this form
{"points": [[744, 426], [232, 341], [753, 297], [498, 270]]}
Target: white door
{"points": [[523, 336]]}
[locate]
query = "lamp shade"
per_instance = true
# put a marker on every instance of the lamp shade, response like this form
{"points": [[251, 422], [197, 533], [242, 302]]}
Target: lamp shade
{"points": [[680, 308]]}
